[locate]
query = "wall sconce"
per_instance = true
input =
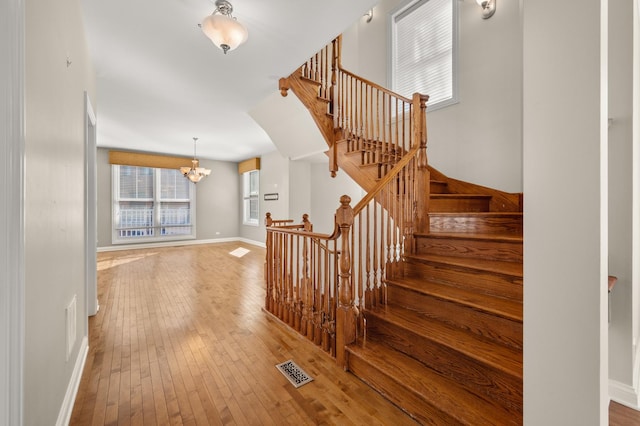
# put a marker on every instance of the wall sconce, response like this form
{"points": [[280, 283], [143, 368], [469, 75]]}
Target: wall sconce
{"points": [[368, 16], [488, 8]]}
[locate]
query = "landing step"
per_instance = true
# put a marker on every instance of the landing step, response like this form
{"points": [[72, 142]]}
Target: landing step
{"points": [[438, 187], [480, 222], [497, 237], [505, 308], [513, 269], [461, 196], [459, 203], [421, 392], [504, 247]]}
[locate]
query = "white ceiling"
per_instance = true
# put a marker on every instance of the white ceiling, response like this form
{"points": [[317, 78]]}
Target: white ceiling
{"points": [[160, 81]]}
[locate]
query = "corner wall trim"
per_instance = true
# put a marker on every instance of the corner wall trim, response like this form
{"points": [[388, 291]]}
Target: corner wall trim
{"points": [[64, 416], [12, 276]]}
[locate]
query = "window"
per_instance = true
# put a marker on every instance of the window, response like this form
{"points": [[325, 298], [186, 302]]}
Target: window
{"points": [[251, 197], [424, 46], [151, 204]]}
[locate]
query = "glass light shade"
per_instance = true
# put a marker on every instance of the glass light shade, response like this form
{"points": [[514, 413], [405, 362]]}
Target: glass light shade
{"points": [[224, 31], [195, 173]]}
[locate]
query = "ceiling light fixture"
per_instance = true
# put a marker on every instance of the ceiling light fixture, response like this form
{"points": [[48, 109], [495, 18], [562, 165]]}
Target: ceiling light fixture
{"points": [[488, 8], [195, 173], [223, 29]]}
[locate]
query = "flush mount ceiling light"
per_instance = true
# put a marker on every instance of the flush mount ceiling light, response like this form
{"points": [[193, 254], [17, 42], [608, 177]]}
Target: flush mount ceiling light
{"points": [[195, 173], [488, 8], [223, 29]]}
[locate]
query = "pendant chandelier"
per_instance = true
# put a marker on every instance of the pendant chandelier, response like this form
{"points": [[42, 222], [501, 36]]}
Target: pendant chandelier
{"points": [[195, 173], [223, 29]]}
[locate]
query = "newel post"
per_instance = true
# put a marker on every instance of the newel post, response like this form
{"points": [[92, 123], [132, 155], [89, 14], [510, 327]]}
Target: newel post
{"points": [[419, 135], [346, 314], [334, 98], [268, 264]]}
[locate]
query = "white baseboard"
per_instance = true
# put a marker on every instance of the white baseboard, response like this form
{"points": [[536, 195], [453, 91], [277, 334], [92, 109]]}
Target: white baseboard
{"points": [[64, 416], [253, 242], [624, 394], [177, 243]]}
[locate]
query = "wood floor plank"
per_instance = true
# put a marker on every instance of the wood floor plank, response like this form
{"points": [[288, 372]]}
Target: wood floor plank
{"points": [[181, 338], [620, 415]]}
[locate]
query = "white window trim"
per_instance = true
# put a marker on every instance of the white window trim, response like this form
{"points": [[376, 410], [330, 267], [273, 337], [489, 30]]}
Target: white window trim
{"points": [[246, 176], [115, 189], [456, 52]]}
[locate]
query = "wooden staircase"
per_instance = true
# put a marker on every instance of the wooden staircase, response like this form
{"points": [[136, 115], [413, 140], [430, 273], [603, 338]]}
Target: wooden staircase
{"points": [[447, 346], [442, 338]]}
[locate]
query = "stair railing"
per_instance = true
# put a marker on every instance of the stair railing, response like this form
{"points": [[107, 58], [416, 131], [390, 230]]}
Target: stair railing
{"points": [[320, 284], [373, 120], [301, 275]]}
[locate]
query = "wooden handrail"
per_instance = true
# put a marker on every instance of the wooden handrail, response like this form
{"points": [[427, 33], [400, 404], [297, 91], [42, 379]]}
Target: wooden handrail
{"points": [[371, 195], [375, 85]]}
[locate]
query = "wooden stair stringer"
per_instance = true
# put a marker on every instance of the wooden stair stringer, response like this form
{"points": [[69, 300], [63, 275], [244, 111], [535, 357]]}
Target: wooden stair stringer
{"points": [[307, 91]]}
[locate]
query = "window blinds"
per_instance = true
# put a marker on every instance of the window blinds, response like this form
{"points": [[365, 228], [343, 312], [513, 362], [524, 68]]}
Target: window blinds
{"points": [[423, 44]]}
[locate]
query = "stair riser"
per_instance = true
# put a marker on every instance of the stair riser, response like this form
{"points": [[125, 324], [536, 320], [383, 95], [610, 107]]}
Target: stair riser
{"points": [[458, 205], [478, 249], [482, 225], [438, 187], [473, 374], [498, 329], [412, 403], [474, 280]]}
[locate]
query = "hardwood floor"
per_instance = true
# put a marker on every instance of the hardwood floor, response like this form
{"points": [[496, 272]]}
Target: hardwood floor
{"points": [[181, 338], [619, 415]]}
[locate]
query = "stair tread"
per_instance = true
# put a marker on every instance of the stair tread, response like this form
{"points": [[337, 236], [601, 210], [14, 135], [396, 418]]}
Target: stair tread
{"points": [[457, 196], [501, 358], [497, 237], [492, 266], [440, 391], [478, 214], [503, 307]]}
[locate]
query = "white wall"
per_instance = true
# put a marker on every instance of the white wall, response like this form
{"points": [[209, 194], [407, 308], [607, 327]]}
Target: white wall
{"points": [[218, 212], [326, 192], [636, 189], [478, 139], [54, 202], [565, 212], [299, 189], [621, 348], [11, 211], [217, 208]]}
